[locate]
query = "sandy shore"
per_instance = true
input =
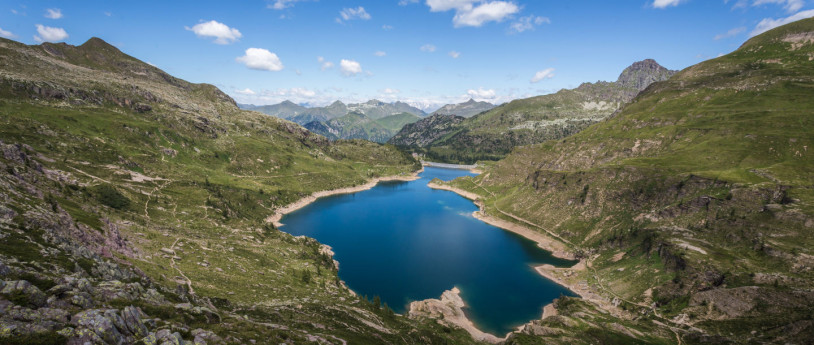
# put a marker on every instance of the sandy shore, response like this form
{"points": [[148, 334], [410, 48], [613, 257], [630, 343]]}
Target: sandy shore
{"points": [[557, 248], [473, 168], [280, 212]]}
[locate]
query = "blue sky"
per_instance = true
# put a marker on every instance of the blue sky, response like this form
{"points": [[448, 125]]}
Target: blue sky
{"points": [[426, 52]]}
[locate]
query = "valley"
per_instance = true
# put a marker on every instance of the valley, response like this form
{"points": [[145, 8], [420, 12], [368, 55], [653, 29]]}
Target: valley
{"points": [[665, 207]]}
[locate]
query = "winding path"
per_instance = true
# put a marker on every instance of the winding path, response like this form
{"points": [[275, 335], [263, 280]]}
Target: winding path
{"points": [[172, 263]]}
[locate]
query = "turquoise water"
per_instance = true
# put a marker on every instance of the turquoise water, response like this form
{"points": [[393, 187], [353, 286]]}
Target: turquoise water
{"points": [[404, 242]]}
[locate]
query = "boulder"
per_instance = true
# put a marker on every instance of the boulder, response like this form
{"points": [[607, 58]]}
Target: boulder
{"points": [[21, 291], [132, 318], [97, 322]]}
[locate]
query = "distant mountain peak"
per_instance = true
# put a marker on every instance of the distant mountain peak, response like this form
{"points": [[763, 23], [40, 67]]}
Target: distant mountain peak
{"points": [[643, 73], [465, 109], [97, 43]]}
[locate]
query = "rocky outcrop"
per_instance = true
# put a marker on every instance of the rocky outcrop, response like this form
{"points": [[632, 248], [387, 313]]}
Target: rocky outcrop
{"points": [[449, 311], [643, 73], [426, 130]]}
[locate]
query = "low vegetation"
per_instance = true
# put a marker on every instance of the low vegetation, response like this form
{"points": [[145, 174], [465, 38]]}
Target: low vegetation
{"points": [[692, 206]]}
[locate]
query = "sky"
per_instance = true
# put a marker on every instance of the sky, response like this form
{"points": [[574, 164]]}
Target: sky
{"points": [[424, 52]]}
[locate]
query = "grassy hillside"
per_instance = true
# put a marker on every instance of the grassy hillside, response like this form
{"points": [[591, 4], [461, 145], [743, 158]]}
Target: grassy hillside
{"points": [[356, 125], [693, 205], [394, 123], [493, 134], [126, 189]]}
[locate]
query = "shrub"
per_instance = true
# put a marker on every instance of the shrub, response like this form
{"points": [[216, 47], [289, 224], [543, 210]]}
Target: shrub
{"points": [[109, 196]]}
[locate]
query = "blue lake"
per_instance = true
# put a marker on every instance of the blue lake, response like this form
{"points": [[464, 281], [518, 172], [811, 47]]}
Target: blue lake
{"points": [[404, 242]]}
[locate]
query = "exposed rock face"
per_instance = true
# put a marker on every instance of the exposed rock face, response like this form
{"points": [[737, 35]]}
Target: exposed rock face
{"points": [[321, 128], [643, 73], [71, 290], [426, 130]]}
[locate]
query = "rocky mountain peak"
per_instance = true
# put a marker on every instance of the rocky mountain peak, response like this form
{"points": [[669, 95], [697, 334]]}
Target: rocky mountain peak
{"points": [[643, 73]]}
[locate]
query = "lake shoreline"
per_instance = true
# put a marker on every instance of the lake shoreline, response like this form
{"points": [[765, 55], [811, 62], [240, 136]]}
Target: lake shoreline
{"points": [[558, 275], [473, 168], [282, 211], [557, 248], [449, 308]]}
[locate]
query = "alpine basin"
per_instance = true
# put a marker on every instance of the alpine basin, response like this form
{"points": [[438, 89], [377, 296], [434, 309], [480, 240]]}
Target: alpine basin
{"points": [[403, 241]]}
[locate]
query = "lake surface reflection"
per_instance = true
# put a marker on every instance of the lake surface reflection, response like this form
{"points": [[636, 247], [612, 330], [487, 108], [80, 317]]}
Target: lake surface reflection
{"points": [[404, 241]]}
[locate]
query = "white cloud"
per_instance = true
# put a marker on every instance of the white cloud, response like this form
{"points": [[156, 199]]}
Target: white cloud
{"points": [[380, 53], [107, 13], [222, 33], [324, 64], [528, 23], [387, 27], [446, 5], [390, 91], [296, 92], [488, 12], [282, 4], [53, 13], [247, 91], [789, 5], [261, 59], [474, 12], [481, 94], [731, 33], [547, 73], [6, 34], [666, 3], [454, 54], [49, 34], [299, 95], [407, 2], [770, 23], [353, 13], [429, 48], [350, 67]]}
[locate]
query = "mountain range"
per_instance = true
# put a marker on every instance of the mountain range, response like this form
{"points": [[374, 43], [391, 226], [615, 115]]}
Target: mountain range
{"points": [[372, 109], [373, 120], [466, 109], [492, 134]]}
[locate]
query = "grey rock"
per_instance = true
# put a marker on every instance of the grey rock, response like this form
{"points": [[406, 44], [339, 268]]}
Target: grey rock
{"points": [[132, 318], [96, 321], [82, 300], [58, 289], [165, 337], [31, 293]]}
